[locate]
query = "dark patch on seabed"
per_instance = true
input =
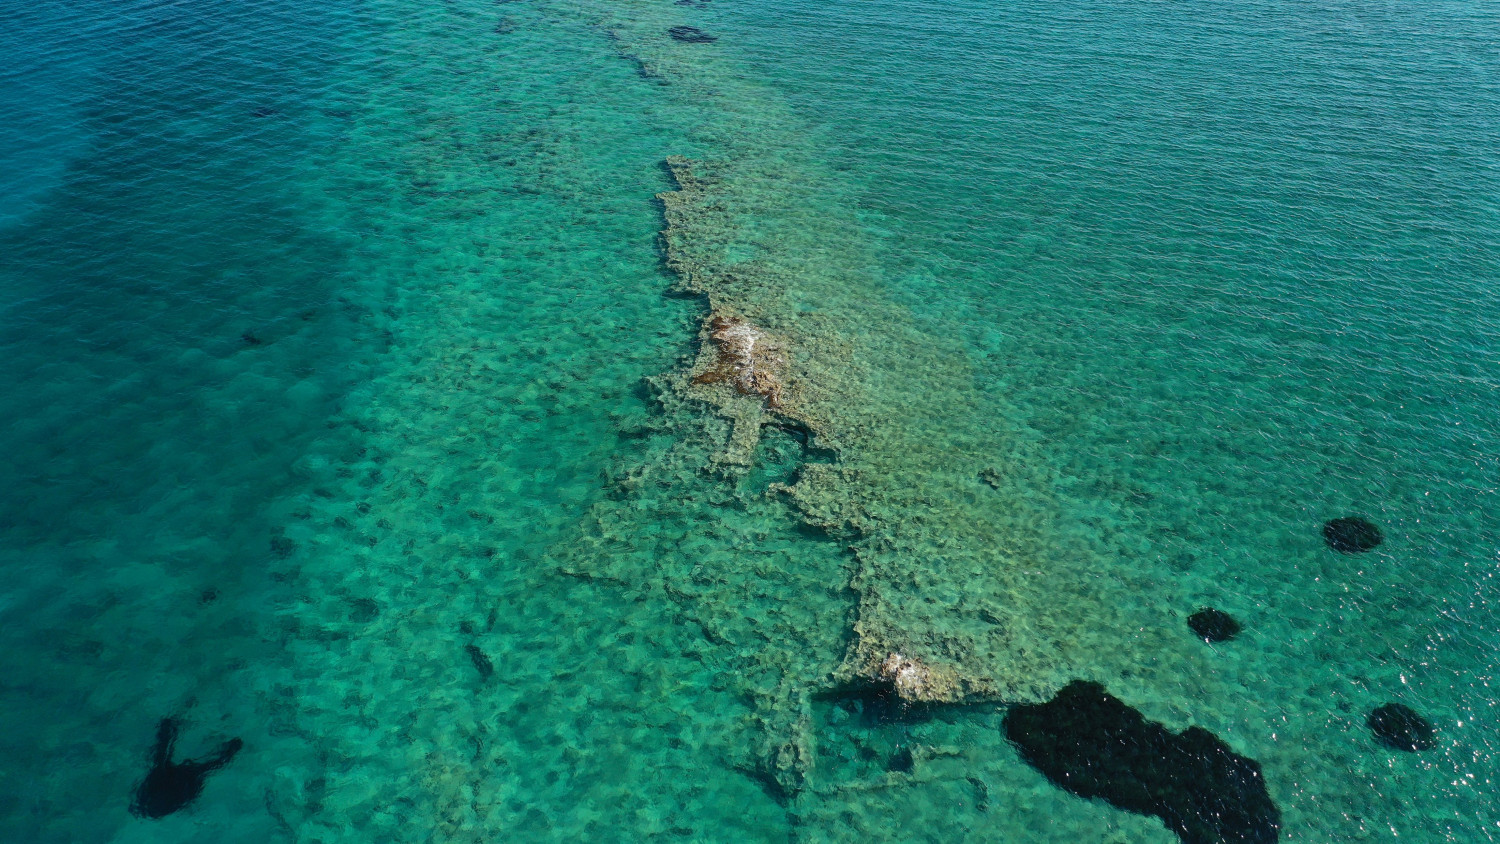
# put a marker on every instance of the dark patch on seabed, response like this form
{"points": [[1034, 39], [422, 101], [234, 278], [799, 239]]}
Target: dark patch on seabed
{"points": [[482, 662], [1352, 534], [1091, 744], [691, 35], [171, 786], [1213, 625], [1399, 727]]}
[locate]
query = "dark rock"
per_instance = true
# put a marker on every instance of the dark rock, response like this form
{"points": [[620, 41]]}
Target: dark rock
{"points": [[981, 794], [1213, 625], [1093, 745], [1399, 727], [170, 786], [481, 661], [691, 35], [1352, 534]]}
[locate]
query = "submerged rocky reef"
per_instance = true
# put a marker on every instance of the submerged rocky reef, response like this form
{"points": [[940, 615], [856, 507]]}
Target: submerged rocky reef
{"points": [[748, 359]]}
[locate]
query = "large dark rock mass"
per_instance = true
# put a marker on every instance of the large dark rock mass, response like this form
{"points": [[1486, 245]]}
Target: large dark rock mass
{"points": [[1399, 727], [1091, 744], [1352, 534], [1213, 625], [170, 786]]}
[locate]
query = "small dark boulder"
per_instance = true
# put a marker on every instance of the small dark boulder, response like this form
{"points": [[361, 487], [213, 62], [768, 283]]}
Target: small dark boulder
{"points": [[1399, 727], [1213, 625], [691, 35], [1091, 744], [481, 661], [1352, 534], [170, 786]]}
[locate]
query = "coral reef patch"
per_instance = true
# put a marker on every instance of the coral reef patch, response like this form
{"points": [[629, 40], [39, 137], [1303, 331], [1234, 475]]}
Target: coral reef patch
{"points": [[1213, 625], [171, 786], [1399, 727], [1091, 744], [1352, 534]]}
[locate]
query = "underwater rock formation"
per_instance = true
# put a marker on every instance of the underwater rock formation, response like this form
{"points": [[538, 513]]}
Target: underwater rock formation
{"points": [[748, 359], [1352, 534], [783, 762], [170, 786], [1213, 625], [691, 35], [1399, 727], [917, 682], [1091, 744]]}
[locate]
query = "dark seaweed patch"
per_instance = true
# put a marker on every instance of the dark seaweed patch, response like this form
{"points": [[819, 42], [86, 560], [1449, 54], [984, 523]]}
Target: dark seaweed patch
{"points": [[1213, 625], [1091, 744], [1352, 534], [902, 762], [1399, 727], [691, 35], [170, 786]]}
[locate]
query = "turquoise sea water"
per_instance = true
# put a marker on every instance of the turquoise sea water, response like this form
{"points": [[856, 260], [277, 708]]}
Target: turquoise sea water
{"points": [[346, 410]]}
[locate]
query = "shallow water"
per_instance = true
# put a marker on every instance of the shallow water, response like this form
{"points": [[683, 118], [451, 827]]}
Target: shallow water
{"points": [[349, 411]]}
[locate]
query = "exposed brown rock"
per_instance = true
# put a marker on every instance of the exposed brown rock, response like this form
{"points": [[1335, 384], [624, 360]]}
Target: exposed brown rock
{"points": [[916, 681], [748, 359]]}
